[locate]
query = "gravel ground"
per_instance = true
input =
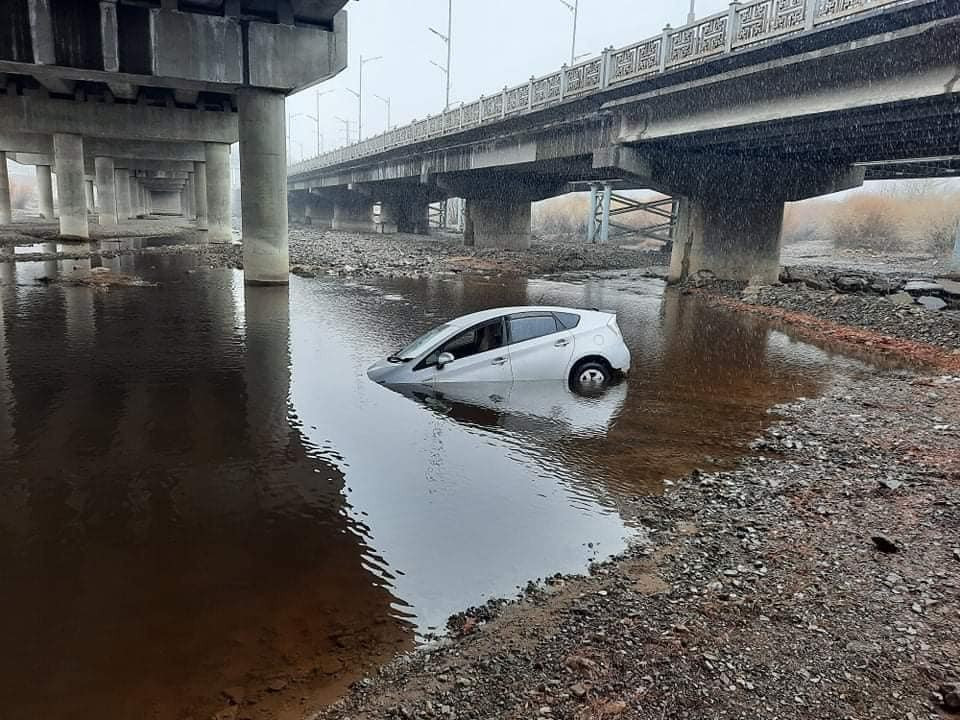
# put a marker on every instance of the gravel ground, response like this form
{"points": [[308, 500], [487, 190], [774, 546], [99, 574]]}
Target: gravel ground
{"points": [[319, 252], [763, 593]]}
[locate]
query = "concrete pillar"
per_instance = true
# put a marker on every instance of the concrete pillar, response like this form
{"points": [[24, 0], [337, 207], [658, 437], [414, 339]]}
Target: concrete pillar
{"points": [[148, 197], [123, 193], [469, 234], [734, 239], [263, 186], [88, 196], [406, 215], [6, 213], [134, 202], [200, 194], [191, 192], [218, 192], [45, 191], [592, 214], [68, 155], [106, 190], [501, 224], [353, 214]]}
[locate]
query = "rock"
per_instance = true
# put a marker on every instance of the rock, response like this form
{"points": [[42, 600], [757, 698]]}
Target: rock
{"points": [[277, 684], [951, 696], [859, 646], [901, 298], [331, 665], [613, 708], [579, 690], [931, 303], [891, 484], [885, 545], [950, 287], [922, 286], [235, 694], [851, 283]]}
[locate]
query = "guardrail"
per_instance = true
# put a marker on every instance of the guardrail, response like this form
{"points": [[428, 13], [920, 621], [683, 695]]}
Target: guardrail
{"points": [[743, 25]]}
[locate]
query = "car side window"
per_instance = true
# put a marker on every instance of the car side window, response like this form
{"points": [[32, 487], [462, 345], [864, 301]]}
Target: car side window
{"points": [[568, 320], [479, 339], [528, 327]]}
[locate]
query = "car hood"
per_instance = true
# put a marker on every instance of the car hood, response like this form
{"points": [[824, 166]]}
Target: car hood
{"points": [[384, 371]]}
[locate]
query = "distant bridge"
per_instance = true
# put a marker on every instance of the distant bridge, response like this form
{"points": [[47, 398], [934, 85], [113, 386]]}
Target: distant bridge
{"points": [[768, 102]]}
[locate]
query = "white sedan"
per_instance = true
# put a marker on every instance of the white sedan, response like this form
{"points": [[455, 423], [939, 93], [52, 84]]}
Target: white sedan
{"points": [[583, 347]]}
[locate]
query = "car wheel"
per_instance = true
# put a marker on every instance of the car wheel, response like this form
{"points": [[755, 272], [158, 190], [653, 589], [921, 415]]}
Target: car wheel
{"points": [[591, 375]]}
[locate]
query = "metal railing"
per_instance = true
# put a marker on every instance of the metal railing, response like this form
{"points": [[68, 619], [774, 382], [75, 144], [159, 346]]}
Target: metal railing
{"points": [[743, 25]]}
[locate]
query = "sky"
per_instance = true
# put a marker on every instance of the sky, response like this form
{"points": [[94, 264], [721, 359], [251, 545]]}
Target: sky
{"points": [[495, 43]]}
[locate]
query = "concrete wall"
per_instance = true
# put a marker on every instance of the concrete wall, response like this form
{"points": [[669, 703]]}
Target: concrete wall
{"points": [[166, 202]]}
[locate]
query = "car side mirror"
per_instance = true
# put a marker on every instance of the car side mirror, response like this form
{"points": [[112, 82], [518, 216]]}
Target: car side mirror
{"points": [[444, 359]]}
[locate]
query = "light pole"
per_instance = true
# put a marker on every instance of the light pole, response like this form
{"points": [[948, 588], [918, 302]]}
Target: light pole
{"points": [[359, 94], [319, 134], [574, 7], [316, 119], [692, 16], [447, 39], [386, 101], [346, 127]]}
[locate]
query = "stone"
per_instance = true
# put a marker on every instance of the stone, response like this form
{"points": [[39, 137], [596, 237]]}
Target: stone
{"points": [[950, 287], [235, 694], [901, 298], [951, 696], [922, 286], [851, 283], [277, 685], [859, 646], [931, 303], [579, 690], [891, 484], [884, 544]]}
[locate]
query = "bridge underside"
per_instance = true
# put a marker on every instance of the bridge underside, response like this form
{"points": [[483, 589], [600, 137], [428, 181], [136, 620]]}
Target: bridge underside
{"points": [[735, 140]]}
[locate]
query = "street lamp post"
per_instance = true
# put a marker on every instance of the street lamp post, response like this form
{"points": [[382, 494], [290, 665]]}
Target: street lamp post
{"points": [[573, 7], [386, 101], [359, 94], [346, 127], [692, 15], [320, 134], [447, 39], [316, 119]]}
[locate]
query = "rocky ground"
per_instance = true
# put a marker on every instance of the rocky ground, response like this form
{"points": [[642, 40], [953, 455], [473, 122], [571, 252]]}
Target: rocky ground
{"points": [[320, 252], [820, 579]]}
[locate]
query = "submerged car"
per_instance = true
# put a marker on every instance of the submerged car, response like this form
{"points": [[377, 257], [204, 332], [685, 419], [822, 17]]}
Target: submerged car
{"points": [[582, 347]]}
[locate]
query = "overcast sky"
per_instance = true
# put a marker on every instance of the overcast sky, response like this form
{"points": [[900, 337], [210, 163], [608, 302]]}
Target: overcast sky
{"points": [[495, 43]]}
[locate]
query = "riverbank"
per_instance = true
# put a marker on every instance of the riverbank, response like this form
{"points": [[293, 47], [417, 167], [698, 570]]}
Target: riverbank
{"points": [[820, 579]]}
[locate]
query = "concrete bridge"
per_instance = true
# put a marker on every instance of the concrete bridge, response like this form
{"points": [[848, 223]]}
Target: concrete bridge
{"points": [[142, 99], [736, 114]]}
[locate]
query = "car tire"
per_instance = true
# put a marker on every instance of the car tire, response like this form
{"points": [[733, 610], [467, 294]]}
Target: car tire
{"points": [[591, 376]]}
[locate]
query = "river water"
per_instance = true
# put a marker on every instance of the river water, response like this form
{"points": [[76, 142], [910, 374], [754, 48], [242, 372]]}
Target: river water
{"points": [[200, 490]]}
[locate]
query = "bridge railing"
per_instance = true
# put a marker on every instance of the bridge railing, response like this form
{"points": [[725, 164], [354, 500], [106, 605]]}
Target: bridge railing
{"points": [[743, 25]]}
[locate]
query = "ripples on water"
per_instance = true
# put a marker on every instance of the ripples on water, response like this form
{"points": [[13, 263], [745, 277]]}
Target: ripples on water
{"points": [[200, 489]]}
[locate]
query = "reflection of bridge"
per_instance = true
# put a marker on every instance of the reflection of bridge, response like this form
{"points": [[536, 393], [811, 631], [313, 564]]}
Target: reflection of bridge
{"points": [[771, 101], [167, 531]]}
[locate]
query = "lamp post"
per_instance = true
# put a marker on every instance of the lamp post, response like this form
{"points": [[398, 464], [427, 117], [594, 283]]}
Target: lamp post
{"points": [[573, 7], [447, 39], [386, 101], [319, 134], [316, 119], [359, 94], [346, 128], [692, 15]]}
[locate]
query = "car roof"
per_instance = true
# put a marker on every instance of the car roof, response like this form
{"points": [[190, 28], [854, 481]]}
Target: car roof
{"points": [[483, 315]]}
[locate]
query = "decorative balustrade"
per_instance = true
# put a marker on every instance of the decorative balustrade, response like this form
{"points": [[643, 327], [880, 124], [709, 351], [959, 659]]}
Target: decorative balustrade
{"points": [[745, 24]]}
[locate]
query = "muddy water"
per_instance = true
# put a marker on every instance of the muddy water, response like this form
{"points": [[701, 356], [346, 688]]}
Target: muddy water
{"points": [[201, 492]]}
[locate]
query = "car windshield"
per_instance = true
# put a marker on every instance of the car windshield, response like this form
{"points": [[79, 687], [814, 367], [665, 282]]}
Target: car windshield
{"points": [[422, 343]]}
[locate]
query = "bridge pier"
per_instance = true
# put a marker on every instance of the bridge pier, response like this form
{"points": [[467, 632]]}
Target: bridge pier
{"points": [[88, 196], [263, 182], [200, 194], [68, 155], [106, 190], [45, 191], [500, 224], [219, 219], [6, 214], [318, 212], [406, 215], [353, 213], [122, 184]]}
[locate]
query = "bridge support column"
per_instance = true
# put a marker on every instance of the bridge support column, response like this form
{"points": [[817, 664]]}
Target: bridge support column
{"points": [[200, 194], [45, 191], [88, 196], [318, 212], [353, 214], [218, 193], [68, 155], [6, 214], [106, 191], [735, 239], [190, 193], [501, 224], [263, 186], [122, 184], [469, 235], [405, 215]]}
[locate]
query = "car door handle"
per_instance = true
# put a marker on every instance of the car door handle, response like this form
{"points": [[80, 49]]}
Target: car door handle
{"points": [[561, 343], [499, 361]]}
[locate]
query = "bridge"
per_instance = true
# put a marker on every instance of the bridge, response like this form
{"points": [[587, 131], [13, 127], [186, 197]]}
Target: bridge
{"points": [[136, 103], [769, 102]]}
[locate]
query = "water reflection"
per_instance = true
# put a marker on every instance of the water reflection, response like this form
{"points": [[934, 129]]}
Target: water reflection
{"points": [[201, 489], [165, 531]]}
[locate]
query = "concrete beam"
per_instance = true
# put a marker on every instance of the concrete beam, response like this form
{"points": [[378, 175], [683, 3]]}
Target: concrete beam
{"points": [[29, 142], [27, 114]]}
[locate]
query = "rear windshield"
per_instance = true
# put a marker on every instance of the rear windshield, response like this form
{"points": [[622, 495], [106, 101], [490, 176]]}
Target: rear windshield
{"points": [[422, 343]]}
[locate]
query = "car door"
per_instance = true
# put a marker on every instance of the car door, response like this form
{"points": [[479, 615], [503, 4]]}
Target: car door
{"points": [[540, 348], [480, 355]]}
